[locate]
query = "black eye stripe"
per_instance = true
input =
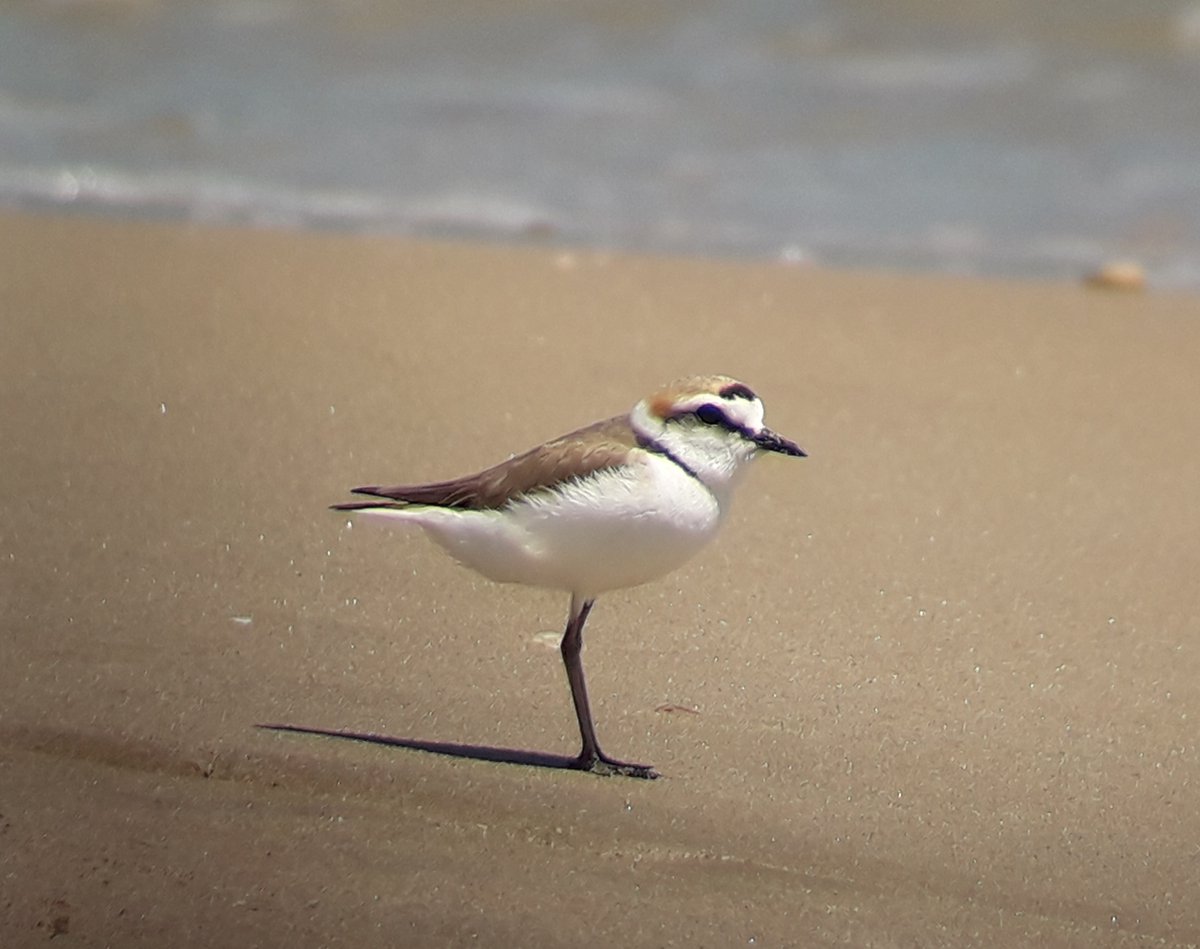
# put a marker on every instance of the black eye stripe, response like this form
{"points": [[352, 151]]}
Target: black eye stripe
{"points": [[709, 413]]}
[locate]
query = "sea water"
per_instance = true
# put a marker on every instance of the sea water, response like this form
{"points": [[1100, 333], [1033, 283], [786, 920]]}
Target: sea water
{"points": [[1020, 138]]}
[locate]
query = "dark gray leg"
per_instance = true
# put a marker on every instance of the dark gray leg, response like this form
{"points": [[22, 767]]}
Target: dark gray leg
{"points": [[591, 758]]}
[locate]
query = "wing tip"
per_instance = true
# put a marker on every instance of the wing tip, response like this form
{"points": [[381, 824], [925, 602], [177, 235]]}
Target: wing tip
{"points": [[387, 501]]}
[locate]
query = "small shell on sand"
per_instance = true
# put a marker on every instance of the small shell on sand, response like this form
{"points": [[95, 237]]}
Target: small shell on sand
{"points": [[1118, 275]]}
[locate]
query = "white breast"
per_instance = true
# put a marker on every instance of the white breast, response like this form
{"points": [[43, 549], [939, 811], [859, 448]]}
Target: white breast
{"points": [[617, 528]]}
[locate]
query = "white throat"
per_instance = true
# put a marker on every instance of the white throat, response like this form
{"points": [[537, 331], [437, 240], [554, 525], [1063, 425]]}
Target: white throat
{"points": [[716, 457]]}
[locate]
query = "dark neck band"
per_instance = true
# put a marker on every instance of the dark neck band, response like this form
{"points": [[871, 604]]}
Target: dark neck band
{"points": [[649, 444]]}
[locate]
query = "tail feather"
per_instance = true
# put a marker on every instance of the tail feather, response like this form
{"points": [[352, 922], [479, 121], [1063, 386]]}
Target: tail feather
{"points": [[391, 500], [369, 506], [461, 492]]}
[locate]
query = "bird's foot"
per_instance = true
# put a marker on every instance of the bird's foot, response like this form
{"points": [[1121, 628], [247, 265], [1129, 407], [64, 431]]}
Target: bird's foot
{"points": [[601, 764]]}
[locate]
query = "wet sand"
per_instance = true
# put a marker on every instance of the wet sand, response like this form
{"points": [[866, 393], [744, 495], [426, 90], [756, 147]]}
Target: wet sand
{"points": [[937, 684]]}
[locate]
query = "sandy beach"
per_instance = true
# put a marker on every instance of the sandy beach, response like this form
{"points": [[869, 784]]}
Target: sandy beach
{"points": [[937, 684]]}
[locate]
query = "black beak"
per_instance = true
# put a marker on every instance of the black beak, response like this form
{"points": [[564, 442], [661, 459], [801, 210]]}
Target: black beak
{"points": [[767, 440]]}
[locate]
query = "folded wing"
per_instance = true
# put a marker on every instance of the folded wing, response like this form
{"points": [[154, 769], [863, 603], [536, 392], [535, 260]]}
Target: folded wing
{"points": [[600, 446]]}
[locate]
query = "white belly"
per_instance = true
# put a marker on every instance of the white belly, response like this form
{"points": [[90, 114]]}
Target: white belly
{"points": [[613, 530]]}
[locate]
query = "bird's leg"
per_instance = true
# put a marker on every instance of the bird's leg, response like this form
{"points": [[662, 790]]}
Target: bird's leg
{"points": [[591, 758]]}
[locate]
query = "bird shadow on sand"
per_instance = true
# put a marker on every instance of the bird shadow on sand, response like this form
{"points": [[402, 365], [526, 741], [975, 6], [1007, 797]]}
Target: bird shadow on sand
{"points": [[532, 759]]}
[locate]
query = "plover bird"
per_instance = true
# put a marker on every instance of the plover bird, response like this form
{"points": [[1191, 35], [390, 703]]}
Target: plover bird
{"points": [[612, 505]]}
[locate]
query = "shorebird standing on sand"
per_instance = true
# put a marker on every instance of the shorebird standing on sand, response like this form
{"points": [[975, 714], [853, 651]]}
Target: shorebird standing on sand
{"points": [[612, 505]]}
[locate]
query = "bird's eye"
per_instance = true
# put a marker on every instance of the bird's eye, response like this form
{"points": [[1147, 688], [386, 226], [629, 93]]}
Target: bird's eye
{"points": [[710, 415]]}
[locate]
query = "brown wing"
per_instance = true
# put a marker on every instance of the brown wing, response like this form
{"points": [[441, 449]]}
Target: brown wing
{"points": [[581, 453]]}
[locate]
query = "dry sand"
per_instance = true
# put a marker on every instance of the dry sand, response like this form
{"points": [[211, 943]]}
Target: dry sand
{"points": [[938, 684]]}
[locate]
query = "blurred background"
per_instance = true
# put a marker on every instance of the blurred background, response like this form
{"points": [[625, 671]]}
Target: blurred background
{"points": [[1000, 137]]}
